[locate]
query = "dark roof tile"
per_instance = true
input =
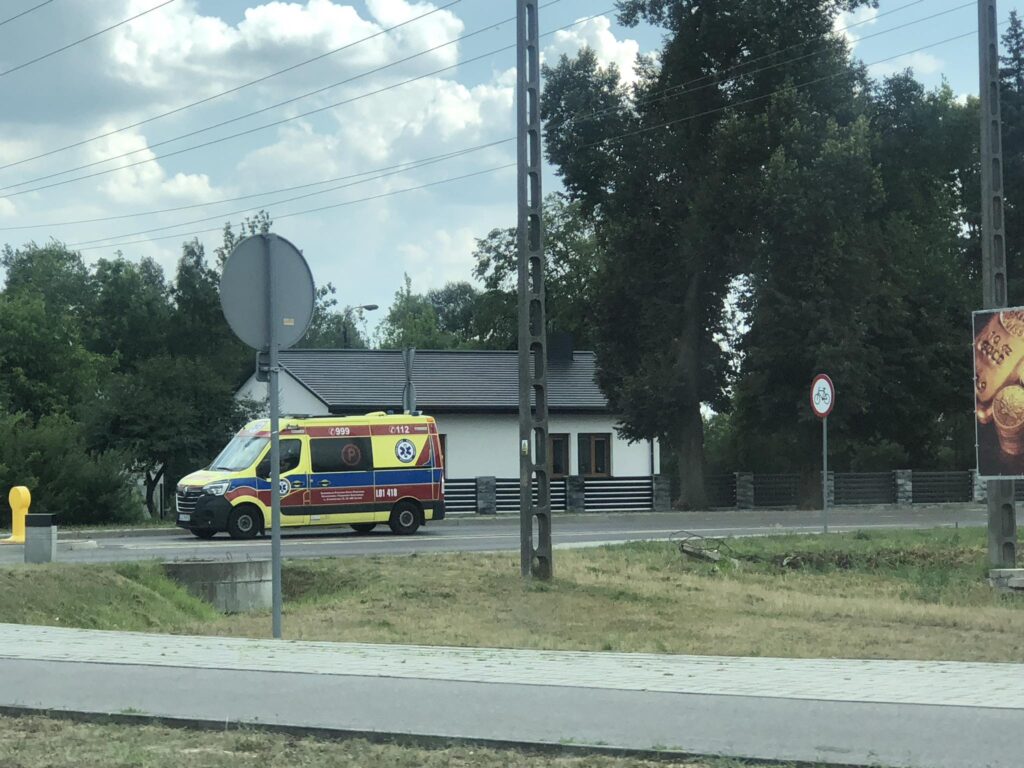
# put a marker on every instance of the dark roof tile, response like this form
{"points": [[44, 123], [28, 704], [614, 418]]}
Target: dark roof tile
{"points": [[445, 380]]}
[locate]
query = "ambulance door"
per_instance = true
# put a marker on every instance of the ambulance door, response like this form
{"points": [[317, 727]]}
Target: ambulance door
{"points": [[341, 480], [294, 481]]}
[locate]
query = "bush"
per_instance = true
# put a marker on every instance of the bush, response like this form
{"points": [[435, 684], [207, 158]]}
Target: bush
{"points": [[65, 478]]}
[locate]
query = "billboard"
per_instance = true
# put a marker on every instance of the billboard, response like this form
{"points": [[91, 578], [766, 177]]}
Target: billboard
{"points": [[999, 392]]}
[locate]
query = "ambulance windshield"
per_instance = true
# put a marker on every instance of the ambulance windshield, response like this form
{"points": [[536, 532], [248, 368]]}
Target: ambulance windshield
{"points": [[240, 453]]}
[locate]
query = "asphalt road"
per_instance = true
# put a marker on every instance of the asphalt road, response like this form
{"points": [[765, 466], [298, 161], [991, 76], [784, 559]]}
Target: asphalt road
{"points": [[501, 533]]}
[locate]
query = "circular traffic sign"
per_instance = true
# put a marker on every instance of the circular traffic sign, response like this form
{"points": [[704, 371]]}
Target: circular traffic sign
{"points": [[823, 395], [245, 298]]}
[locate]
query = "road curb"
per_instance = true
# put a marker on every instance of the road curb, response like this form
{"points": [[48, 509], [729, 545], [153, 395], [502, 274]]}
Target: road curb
{"points": [[376, 737]]}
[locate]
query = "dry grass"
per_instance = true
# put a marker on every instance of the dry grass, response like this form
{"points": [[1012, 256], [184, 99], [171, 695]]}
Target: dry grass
{"points": [[901, 596], [37, 742], [906, 595]]}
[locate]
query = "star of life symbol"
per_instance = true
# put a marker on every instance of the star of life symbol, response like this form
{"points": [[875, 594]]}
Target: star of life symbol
{"points": [[405, 451]]}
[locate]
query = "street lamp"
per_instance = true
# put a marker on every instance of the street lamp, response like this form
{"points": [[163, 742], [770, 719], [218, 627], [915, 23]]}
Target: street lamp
{"points": [[347, 318]]}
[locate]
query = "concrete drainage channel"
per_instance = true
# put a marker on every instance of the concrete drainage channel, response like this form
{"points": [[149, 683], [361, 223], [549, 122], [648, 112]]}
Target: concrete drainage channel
{"points": [[241, 586]]}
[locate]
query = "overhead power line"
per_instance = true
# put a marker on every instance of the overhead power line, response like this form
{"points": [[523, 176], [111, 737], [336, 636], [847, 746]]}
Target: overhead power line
{"points": [[81, 40], [5, 193], [26, 12], [229, 91], [88, 245], [650, 98], [332, 206]]}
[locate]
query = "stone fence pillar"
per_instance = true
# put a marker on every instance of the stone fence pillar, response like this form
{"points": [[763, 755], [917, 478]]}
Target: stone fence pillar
{"points": [[575, 499], [744, 490], [662, 493], [487, 495], [980, 487], [830, 488], [904, 487]]}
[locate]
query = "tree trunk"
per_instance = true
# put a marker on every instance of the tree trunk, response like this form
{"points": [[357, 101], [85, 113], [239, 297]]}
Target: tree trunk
{"points": [[689, 438], [152, 480]]}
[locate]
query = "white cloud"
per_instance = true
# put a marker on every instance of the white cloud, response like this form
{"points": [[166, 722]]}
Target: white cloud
{"points": [[7, 209], [922, 63], [179, 50], [852, 25], [597, 34], [446, 255], [148, 183]]}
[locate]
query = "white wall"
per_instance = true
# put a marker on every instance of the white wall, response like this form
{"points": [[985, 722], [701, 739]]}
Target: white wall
{"points": [[294, 397], [488, 444]]}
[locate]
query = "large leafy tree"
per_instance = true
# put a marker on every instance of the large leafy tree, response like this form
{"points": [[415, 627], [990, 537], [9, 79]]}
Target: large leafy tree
{"points": [[570, 250], [669, 170]]}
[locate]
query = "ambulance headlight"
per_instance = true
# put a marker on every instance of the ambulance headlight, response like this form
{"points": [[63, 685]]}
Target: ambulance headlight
{"points": [[216, 489]]}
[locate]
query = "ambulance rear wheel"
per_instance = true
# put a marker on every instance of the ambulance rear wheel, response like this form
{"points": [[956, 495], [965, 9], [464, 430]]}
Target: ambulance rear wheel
{"points": [[363, 527], [244, 523], [405, 518]]}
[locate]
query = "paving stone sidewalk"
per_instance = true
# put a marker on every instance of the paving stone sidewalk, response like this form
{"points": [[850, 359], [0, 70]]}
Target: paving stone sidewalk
{"points": [[906, 682], [899, 713]]}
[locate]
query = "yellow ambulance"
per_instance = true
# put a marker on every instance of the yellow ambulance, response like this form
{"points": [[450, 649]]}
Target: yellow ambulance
{"points": [[359, 471]]}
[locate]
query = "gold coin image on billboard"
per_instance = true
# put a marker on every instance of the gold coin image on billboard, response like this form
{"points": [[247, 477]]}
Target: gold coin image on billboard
{"points": [[999, 391]]}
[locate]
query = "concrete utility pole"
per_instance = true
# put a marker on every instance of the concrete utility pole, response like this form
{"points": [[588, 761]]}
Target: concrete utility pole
{"points": [[1002, 516], [535, 555]]}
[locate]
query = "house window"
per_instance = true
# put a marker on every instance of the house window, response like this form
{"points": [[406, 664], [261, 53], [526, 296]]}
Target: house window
{"points": [[558, 455], [595, 454]]}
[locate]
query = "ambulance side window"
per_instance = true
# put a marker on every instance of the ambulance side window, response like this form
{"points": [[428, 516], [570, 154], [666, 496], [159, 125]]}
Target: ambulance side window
{"points": [[291, 457], [341, 454]]}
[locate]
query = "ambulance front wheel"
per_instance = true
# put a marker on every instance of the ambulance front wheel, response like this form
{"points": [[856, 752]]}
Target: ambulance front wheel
{"points": [[405, 518], [244, 522]]}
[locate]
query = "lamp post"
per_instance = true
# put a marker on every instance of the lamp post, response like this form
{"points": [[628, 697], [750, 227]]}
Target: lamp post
{"points": [[347, 316]]}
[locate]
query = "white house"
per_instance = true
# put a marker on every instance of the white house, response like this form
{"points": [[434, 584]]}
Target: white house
{"points": [[474, 397]]}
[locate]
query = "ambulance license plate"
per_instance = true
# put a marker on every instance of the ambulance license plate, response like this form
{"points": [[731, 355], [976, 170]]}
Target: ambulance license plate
{"points": [[184, 518]]}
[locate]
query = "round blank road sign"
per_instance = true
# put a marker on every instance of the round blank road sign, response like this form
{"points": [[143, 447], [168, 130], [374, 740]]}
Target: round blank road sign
{"points": [[244, 296], [823, 395]]}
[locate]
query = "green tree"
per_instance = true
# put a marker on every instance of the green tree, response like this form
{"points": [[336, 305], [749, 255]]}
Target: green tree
{"points": [[331, 328], [670, 171], [411, 322], [130, 312], [1012, 78], [570, 250]]}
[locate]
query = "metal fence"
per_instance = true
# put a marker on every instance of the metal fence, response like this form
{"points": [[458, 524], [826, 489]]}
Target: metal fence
{"points": [[865, 488], [938, 487], [507, 494], [776, 490], [721, 491], [460, 495], [618, 494]]}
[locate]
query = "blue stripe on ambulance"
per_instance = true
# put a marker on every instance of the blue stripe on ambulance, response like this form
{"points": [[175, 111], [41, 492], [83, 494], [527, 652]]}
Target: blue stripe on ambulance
{"points": [[404, 476], [340, 479]]}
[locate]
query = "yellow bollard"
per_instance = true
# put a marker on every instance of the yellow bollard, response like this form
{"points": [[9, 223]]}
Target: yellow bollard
{"points": [[19, 499]]}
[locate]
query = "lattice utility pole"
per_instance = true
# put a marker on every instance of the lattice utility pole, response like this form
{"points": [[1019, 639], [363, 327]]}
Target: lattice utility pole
{"points": [[1002, 516], [535, 554]]}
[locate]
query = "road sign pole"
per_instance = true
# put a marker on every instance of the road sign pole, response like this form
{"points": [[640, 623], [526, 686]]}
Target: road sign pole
{"points": [[824, 473], [275, 436], [1002, 514]]}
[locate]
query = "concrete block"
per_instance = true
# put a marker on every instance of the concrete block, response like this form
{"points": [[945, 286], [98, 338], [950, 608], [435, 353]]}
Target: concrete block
{"points": [[575, 497], [1009, 580], [487, 495], [242, 586], [744, 490], [40, 538], [904, 487]]}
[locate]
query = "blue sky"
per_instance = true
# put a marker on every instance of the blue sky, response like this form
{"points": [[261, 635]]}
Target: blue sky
{"points": [[193, 49]]}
